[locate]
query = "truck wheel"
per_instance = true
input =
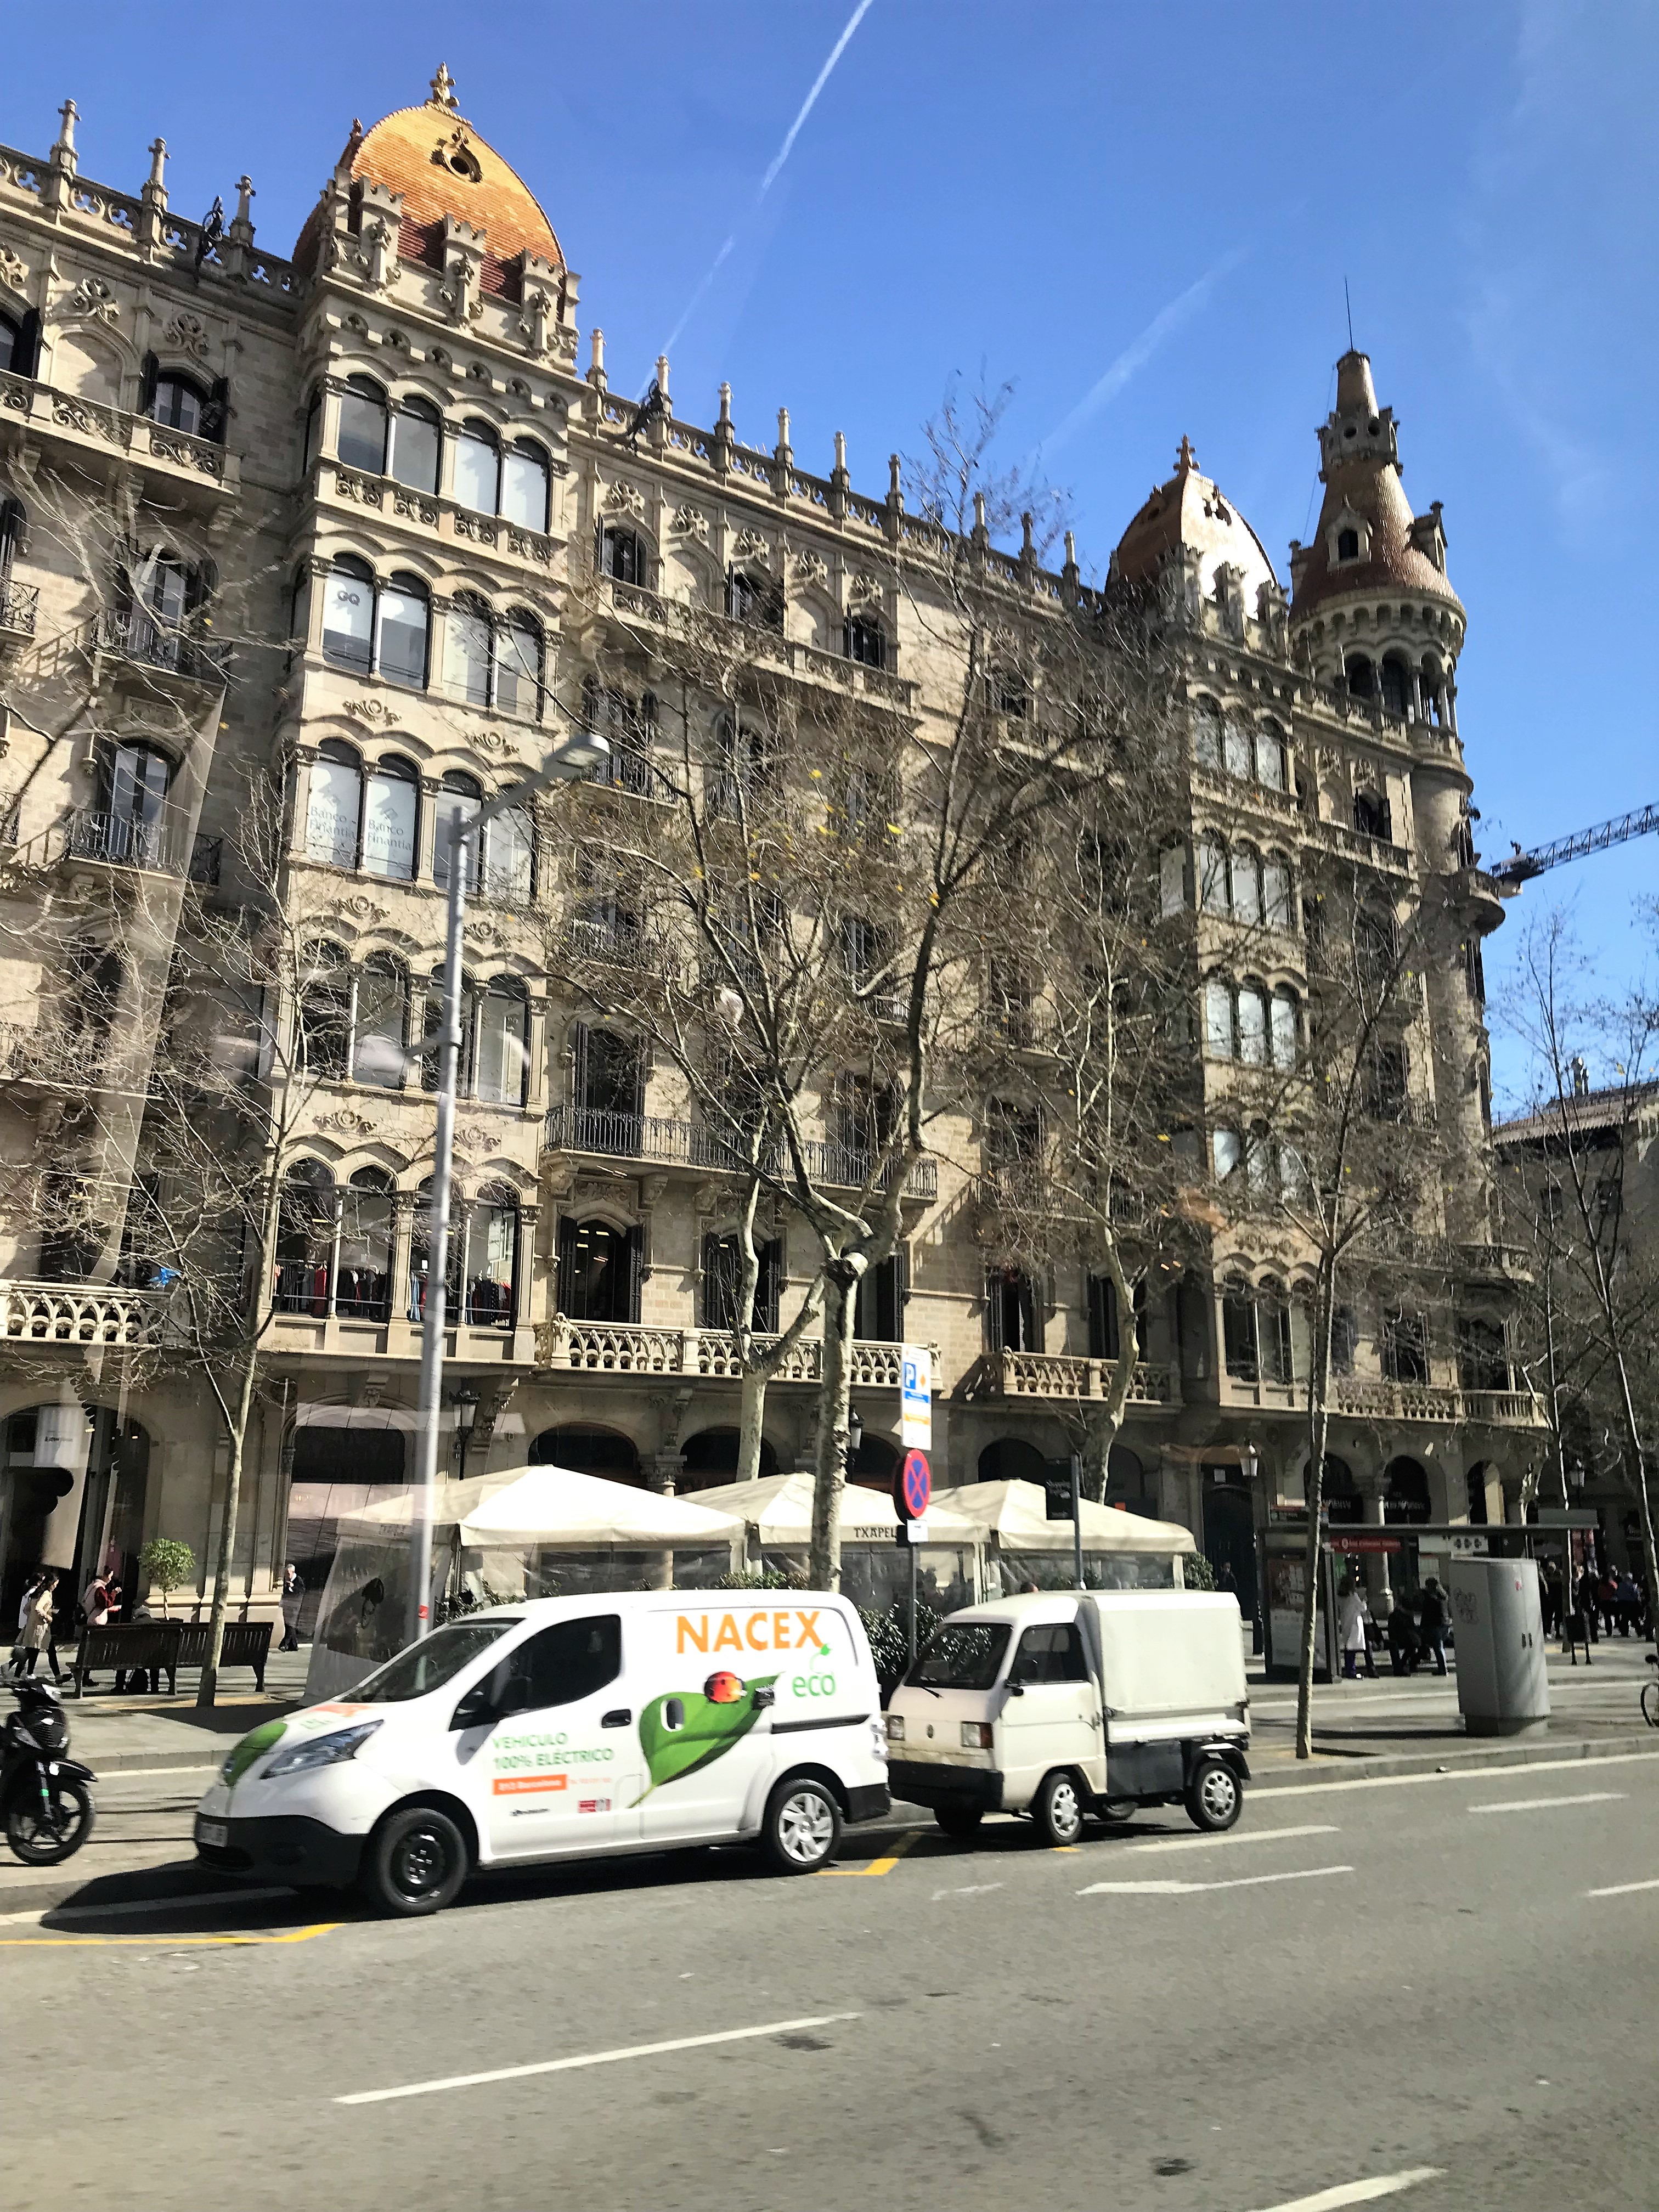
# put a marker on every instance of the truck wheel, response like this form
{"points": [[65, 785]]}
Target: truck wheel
{"points": [[961, 1821], [1057, 1808], [416, 1863], [802, 1826], [1214, 1797], [1117, 1811]]}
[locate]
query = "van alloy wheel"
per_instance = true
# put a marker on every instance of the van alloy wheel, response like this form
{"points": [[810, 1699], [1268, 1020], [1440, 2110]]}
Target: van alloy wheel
{"points": [[1057, 1810], [1214, 1797], [802, 1826]]}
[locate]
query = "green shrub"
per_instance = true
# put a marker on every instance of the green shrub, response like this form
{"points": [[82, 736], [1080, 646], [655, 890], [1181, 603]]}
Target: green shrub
{"points": [[1196, 1571], [167, 1564], [889, 1635]]}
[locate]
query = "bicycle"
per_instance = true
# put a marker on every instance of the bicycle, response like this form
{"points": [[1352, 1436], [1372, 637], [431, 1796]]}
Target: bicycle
{"points": [[1650, 1694]]}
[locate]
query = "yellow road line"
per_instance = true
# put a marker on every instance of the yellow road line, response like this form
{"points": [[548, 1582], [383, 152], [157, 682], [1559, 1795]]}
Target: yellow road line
{"points": [[879, 1866], [47, 1940]]}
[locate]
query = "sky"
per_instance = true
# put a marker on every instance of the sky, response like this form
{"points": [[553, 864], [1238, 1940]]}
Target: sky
{"points": [[1142, 217]]}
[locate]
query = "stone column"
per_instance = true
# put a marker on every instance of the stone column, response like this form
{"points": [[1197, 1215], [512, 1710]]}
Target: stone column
{"points": [[1378, 1587], [63, 1435]]}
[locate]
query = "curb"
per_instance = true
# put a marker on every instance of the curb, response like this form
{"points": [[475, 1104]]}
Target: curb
{"points": [[1328, 1768], [177, 1879], [148, 1762]]}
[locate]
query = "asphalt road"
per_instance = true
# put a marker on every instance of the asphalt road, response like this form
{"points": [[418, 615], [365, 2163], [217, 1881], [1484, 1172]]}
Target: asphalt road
{"points": [[1365, 1981]]}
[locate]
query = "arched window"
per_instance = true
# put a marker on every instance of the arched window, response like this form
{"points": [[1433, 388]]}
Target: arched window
{"points": [[1376, 945], [1206, 737], [14, 527], [518, 666], [525, 485], [1273, 1332], [392, 820], [419, 1258], [305, 1240], [460, 797], [403, 618], [1276, 908], [1226, 1153], [334, 815], [363, 1287], [467, 651], [752, 596], [1005, 691], [324, 1015], [1213, 875], [1252, 1025], [381, 1030], [1347, 545], [1396, 687], [1371, 815], [1270, 766], [1245, 883], [8, 347], [1361, 681], [1285, 1027], [1218, 1019], [622, 554], [416, 439], [132, 830], [509, 856], [165, 591], [1237, 750], [477, 476], [598, 1270], [361, 443], [866, 640], [1434, 694], [314, 438], [179, 402], [1238, 1330], [492, 1259], [298, 607], [349, 615]]}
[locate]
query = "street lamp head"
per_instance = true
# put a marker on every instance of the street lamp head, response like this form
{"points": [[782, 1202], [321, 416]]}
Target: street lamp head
{"points": [[584, 750], [466, 1409], [854, 1435]]}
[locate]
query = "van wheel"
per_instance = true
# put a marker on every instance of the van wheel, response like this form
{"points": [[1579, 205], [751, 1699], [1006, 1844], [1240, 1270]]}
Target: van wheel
{"points": [[961, 1821], [1057, 1808], [1214, 1797], [802, 1826], [1116, 1812], [416, 1863]]}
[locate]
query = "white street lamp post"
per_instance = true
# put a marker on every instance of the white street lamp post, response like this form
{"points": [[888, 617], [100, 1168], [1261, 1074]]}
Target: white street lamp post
{"points": [[575, 758]]}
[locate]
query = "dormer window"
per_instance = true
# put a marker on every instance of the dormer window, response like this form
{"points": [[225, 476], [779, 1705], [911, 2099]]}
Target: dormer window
{"points": [[1347, 545]]}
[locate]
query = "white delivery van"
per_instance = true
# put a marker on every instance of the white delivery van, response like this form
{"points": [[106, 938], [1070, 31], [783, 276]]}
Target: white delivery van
{"points": [[1073, 1703], [565, 1727]]}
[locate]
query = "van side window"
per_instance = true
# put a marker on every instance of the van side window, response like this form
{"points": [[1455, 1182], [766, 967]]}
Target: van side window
{"points": [[1050, 1654], [572, 1659]]}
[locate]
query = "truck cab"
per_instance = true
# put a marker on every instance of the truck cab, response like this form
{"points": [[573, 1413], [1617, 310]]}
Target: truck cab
{"points": [[1065, 1705]]}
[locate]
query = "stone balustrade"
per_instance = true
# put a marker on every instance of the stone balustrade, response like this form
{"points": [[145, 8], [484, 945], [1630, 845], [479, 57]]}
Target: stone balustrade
{"points": [[1062, 1375], [614, 1347], [79, 1312]]}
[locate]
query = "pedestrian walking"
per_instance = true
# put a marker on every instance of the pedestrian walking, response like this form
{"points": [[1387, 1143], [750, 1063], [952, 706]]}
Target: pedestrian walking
{"points": [[95, 1610], [1629, 1605], [1585, 1601], [1549, 1598], [294, 1591], [1434, 1624], [1607, 1596], [29, 1588], [1351, 1622], [37, 1627], [1402, 1639]]}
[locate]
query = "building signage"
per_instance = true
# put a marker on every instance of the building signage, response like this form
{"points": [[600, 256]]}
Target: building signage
{"points": [[916, 1399]]}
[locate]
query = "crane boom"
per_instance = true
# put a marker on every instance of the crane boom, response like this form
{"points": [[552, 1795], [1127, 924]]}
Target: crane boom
{"points": [[1521, 867]]}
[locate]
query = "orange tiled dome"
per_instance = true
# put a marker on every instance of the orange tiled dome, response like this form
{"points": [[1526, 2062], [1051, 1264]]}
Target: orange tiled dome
{"points": [[435, 158]]}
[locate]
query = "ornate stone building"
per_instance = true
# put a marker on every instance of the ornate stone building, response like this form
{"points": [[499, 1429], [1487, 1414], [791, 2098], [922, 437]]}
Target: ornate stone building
{"points": [[384, 454]]}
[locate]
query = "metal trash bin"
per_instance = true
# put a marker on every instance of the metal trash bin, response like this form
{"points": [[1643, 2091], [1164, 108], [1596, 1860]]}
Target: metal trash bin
{"points": [[1502, 1689]]}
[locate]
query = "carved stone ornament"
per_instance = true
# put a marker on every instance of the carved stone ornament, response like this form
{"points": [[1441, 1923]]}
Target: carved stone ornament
{"points": [[809, 568], [359, 909], [346, 1121], [186, 334], [864, 588], [691, 522], [14, 270], [624, 498], [376, 712], [480, 1140], [752, 546], [93, 299]]}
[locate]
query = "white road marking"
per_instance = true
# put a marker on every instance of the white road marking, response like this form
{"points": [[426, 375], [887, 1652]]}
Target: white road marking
{"points": [[1359, 2192], [1542, 1804], [1233, 1836], [593, 2058], [1266, 1788], [1191, 1888], [974, 1889], [1622, 1889], [189, 1903]]}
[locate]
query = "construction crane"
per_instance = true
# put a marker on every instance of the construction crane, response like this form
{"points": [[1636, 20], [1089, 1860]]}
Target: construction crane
{"points": [[1521, 867]]}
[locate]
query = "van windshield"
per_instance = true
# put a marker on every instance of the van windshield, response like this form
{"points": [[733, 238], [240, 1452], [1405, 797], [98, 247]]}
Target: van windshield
{"points": [[963, 1655], [435, 1660]]}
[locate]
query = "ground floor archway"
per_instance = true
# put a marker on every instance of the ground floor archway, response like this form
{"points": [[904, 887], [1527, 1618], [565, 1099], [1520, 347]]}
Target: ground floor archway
{"points": [[588, 1450], [1011, 1459], [110, 1533], [711, 1457]]}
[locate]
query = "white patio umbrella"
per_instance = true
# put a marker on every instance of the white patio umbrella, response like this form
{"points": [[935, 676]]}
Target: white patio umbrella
{"points": [[558, 1508], [1016, 1513], [778, 1510]]}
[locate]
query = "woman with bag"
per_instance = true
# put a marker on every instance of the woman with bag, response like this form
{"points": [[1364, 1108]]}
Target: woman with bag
{"points": [[37, 1627]]}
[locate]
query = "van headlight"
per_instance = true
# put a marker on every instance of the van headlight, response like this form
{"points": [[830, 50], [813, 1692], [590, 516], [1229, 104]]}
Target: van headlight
{"points": [[976, 1735], [322, 1751], [895, 1728]]}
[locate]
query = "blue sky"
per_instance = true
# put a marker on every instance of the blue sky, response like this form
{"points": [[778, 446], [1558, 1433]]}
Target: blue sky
{"points": [[1142, 216]]}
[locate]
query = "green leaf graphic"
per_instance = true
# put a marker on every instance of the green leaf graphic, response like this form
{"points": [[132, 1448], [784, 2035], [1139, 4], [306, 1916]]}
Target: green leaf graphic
{"points": [[707, 1731], [253, 1746]]}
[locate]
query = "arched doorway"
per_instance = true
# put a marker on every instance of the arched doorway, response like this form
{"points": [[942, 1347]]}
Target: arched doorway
{"points": [[711, 1457], [1405, 1492], [1011, 1459], [604, 1452], [876, 1463], [1339, 1493], [1128, 1485], [345, 1457], [111, 1529]]}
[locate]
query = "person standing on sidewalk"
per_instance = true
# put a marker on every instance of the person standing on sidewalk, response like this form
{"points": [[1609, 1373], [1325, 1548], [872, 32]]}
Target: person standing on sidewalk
{"points": [[1434, 1624], [294, 1591], [37, 1627], [29, 1588], [1352, 1621], [95, 1605]]}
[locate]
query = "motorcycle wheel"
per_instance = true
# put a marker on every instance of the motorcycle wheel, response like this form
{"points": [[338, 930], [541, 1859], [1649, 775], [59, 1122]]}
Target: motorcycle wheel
{"points": [[47, 1822]]}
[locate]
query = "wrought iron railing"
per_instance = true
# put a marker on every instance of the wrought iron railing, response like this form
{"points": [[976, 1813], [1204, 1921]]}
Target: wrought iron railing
{"points": [[137, 636], [19, 605]]}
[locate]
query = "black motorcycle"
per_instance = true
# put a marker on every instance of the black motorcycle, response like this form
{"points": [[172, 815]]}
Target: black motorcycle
{"points": [[44, 1802]]}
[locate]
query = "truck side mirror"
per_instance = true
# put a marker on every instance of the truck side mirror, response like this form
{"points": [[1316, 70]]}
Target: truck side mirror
{"points": [[1016, 1689]]}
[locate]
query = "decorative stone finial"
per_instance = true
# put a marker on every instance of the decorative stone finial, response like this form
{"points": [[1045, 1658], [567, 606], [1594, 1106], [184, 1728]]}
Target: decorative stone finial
{"points": [[840, 453], [662, 374], [158, 162], [596, 352], [1186, 458], [62, 153], [783, 426], [245, 199], [443, 90], [725, 406], [1071, 549], [1027, 544], [892, 475]]}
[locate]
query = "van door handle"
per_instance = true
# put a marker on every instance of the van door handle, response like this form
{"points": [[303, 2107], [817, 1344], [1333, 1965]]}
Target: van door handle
{"points": [[619, 1719]]}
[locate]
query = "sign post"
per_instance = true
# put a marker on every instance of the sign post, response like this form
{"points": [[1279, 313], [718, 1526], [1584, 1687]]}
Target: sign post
{"points": [[913, 1491], [1062, 1485], [916, 1399]]}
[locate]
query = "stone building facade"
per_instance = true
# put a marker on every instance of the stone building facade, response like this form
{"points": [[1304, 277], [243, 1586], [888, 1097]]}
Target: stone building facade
{"points": [[385, 454]]}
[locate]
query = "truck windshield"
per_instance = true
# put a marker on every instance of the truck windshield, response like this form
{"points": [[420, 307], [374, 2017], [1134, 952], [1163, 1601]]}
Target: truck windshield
{"points": [[963, 1655], [435, 1660]]}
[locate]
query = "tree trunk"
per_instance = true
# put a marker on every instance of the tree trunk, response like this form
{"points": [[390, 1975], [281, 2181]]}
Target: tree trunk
{"points": [[208, 1688], [1318, 1427], [751, 1423], [836, 1390]]}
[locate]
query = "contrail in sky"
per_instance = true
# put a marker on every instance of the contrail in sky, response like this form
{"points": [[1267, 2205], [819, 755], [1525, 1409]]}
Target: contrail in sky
{"points": [[1136, 354], [779, 158]]}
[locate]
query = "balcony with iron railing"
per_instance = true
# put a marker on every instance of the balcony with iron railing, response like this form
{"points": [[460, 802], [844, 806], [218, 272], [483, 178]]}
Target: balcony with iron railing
{"points": [[134, 636], [656, 1141], [19, 604], [755, 641], [194, 466], [123, 841]]}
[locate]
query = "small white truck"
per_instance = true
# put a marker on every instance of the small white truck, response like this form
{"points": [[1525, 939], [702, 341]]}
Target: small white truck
{"points": [[1068, 1705]]}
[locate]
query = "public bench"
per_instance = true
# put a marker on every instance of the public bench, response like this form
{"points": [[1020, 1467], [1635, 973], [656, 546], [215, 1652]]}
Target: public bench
{"points": [[165, 1646]]}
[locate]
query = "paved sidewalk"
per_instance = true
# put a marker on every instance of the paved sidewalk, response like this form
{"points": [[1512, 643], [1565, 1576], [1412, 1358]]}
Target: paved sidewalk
{"points": [[144, 1734]]}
